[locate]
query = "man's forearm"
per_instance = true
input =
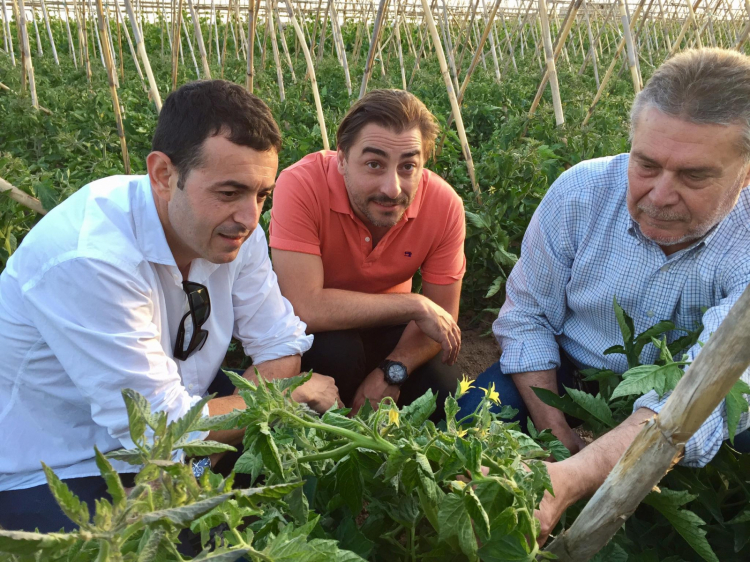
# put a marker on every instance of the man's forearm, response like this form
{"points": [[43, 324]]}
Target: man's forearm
{"points": [[281, 368], [544, 416], [336, 309], [581, 475], [414, 349]]}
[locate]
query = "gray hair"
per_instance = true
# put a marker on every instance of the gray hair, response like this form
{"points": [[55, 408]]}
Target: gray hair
{"points": [[702, 86]]}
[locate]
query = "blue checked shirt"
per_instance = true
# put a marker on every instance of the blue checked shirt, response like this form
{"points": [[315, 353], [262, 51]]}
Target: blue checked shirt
{"points": [[581, 249]]}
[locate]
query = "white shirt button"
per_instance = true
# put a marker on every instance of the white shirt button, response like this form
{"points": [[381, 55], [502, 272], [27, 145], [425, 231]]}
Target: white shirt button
{"points": [[650, 314], [190, 387], [367, 238], [665, 268]]}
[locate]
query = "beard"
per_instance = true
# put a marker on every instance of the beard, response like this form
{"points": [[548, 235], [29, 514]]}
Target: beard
{"points": [[698, 231], [362, 204]]}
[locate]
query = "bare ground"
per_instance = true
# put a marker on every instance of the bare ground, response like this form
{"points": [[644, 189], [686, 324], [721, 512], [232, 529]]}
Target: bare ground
{"points": [[477, 352]]}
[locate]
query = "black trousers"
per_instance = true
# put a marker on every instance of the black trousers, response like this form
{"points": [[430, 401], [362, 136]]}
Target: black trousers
{"points": [[350, 355]]}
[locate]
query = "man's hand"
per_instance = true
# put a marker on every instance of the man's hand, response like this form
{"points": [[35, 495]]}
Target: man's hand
{"points": [[374, 388], [552, 507], [319, 393], [439, 325], [567, 436]]}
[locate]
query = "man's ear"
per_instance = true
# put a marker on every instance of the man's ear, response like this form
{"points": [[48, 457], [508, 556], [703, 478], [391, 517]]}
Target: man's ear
{"points": [[162, 173], [341, 160]]}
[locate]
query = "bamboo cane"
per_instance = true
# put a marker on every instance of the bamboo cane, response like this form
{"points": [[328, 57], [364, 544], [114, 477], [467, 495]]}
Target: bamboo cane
{"points": [[190, 48], [84, 38], [377, 28], [311, 72], [226, 35], [630, 48], [141, 48], [592, 45], [550, 58], [400, 53], [745, 32], [119, 41], [472, 66], [448, 41], [339, 37], [452, 97], [111, 46], [284, 46], [70, 35], [6, 23], [492, 42], [683, 31], [21, 197], [323, 28], [660, 443], [611, 68], [130, 46], [251, 14], [275, 47], [28, 66], [112, 89], [176, 43], [49, 32], [39, 49], [96, 35], [199, 40]]}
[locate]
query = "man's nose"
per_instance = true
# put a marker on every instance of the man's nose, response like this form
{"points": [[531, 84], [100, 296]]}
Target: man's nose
{"points": [[248, 215], [664, 192], [391, 186]]}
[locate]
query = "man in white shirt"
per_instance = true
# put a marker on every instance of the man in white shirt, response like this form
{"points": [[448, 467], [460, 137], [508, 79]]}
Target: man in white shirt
{"points": [[140, 282]]}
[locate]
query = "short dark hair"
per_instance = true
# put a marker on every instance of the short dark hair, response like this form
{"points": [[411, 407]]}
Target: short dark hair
{"points": [[397, 110], [206, 108]]}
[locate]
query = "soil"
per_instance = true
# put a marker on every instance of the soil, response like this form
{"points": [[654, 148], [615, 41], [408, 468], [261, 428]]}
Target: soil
{"points": [[477, 351]]}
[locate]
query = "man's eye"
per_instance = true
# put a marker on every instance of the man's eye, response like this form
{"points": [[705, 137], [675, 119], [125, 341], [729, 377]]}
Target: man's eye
{"points": [[263, 195], [228, 194], [373, 165], [409, 167]]}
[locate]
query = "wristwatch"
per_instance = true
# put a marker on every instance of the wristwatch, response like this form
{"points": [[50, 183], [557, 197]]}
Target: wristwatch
{"points": [[200, 465], [395, 372]]}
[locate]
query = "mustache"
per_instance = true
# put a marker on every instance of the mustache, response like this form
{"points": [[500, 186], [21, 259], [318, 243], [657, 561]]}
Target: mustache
{"points": [[402, 199], [661, 213]]}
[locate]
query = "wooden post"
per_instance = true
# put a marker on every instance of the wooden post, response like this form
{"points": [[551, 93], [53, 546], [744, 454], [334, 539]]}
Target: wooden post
{"points": [[373, 46], [707, 381], [550, 58], [592, 46], [339, 38], [630, 48], [119, 39], [311, 72], [112, 89], [282, 35], [275, 47], [190, 48], [133, 52], [176, 43], [452, 97], [28, 67], [49, 32], [6, 23], [140, 47], [21, 197], [251, 15], [199, 40]]}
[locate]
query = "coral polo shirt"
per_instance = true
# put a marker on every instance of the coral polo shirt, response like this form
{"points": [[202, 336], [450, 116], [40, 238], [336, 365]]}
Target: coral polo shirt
{"points": [[311, 214]]}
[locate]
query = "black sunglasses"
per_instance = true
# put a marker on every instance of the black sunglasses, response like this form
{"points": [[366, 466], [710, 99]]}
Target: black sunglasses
{"points": [[200, 307]]}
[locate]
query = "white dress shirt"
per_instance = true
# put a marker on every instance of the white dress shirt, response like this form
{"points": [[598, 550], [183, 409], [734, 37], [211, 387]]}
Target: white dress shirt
{"points": [[90, 304]]}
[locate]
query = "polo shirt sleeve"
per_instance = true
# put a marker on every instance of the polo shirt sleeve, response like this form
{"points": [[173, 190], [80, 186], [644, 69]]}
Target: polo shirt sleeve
{"points": [[264, 322], [447, 263], [96, 316], [296, 214], [706, 441]]}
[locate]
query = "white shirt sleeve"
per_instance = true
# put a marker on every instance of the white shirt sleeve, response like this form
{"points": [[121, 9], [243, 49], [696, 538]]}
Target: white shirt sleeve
{"points": [[265, 322], [104, 335]]}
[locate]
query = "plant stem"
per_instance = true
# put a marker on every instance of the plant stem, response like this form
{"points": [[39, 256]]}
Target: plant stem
{"points": [[332, 454]]}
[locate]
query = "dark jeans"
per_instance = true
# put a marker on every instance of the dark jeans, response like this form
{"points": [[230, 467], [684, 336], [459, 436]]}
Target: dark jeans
{"points": [[30, 508], [566, 377], [350, 355]]}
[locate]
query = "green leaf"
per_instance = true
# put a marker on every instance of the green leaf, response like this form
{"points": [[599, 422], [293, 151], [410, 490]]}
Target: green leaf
{"points": [[349, 482], [646, 337], [23, 543], [564, 403], [184, 515], [337, 420], [130, 456], [274, 492], [506, 548], [454, 520], [151, 541], [229, 556], [112, 479], [494, 289], [240, 382], [736, 405], [685, 522], [138, 412], [291, 383], [183, 425], [224, 421], [199, 448], [269, 451], [594, 405], [72, 507], [558, 450], [420, 410], [477, 513], [627, 329], [644, 378]]}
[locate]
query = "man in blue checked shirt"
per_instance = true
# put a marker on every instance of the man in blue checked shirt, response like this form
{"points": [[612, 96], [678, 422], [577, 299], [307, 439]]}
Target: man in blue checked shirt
{"points": [[665, 229]]}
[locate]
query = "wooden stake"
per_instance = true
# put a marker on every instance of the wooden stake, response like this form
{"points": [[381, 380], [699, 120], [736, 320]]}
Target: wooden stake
{"points": [[28, 67], [630, 48], [176, 44], [452, 97], [550, 59], [21, 197], [130, 46], [49, 32], [6, 23], [199, 40], [284, 46], [153, 89], [112, 89], [311, 72], [275, 47], [377, 28]]}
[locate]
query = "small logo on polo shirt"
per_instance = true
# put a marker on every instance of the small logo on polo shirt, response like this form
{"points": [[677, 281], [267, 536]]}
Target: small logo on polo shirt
{"points": [[407, 254]]}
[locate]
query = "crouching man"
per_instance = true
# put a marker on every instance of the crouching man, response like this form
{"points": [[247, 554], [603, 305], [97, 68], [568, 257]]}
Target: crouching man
{"points": [[140, 282], [349, 230]]}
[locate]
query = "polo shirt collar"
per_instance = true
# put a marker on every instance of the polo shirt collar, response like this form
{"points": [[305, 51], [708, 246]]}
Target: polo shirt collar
{"points": [[339, 197]]}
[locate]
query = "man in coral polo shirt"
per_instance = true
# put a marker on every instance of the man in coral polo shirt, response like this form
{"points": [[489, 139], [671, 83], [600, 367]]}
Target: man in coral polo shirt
{"points": [[349, 229]]}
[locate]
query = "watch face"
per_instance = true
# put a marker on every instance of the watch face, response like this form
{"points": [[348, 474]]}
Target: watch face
{"points": [[397, 373]]}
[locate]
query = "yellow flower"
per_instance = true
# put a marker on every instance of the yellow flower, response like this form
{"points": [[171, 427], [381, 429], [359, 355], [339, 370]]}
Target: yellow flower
{"points": [[393, 416], [491, 394], [464, 385], [460, 432]]}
